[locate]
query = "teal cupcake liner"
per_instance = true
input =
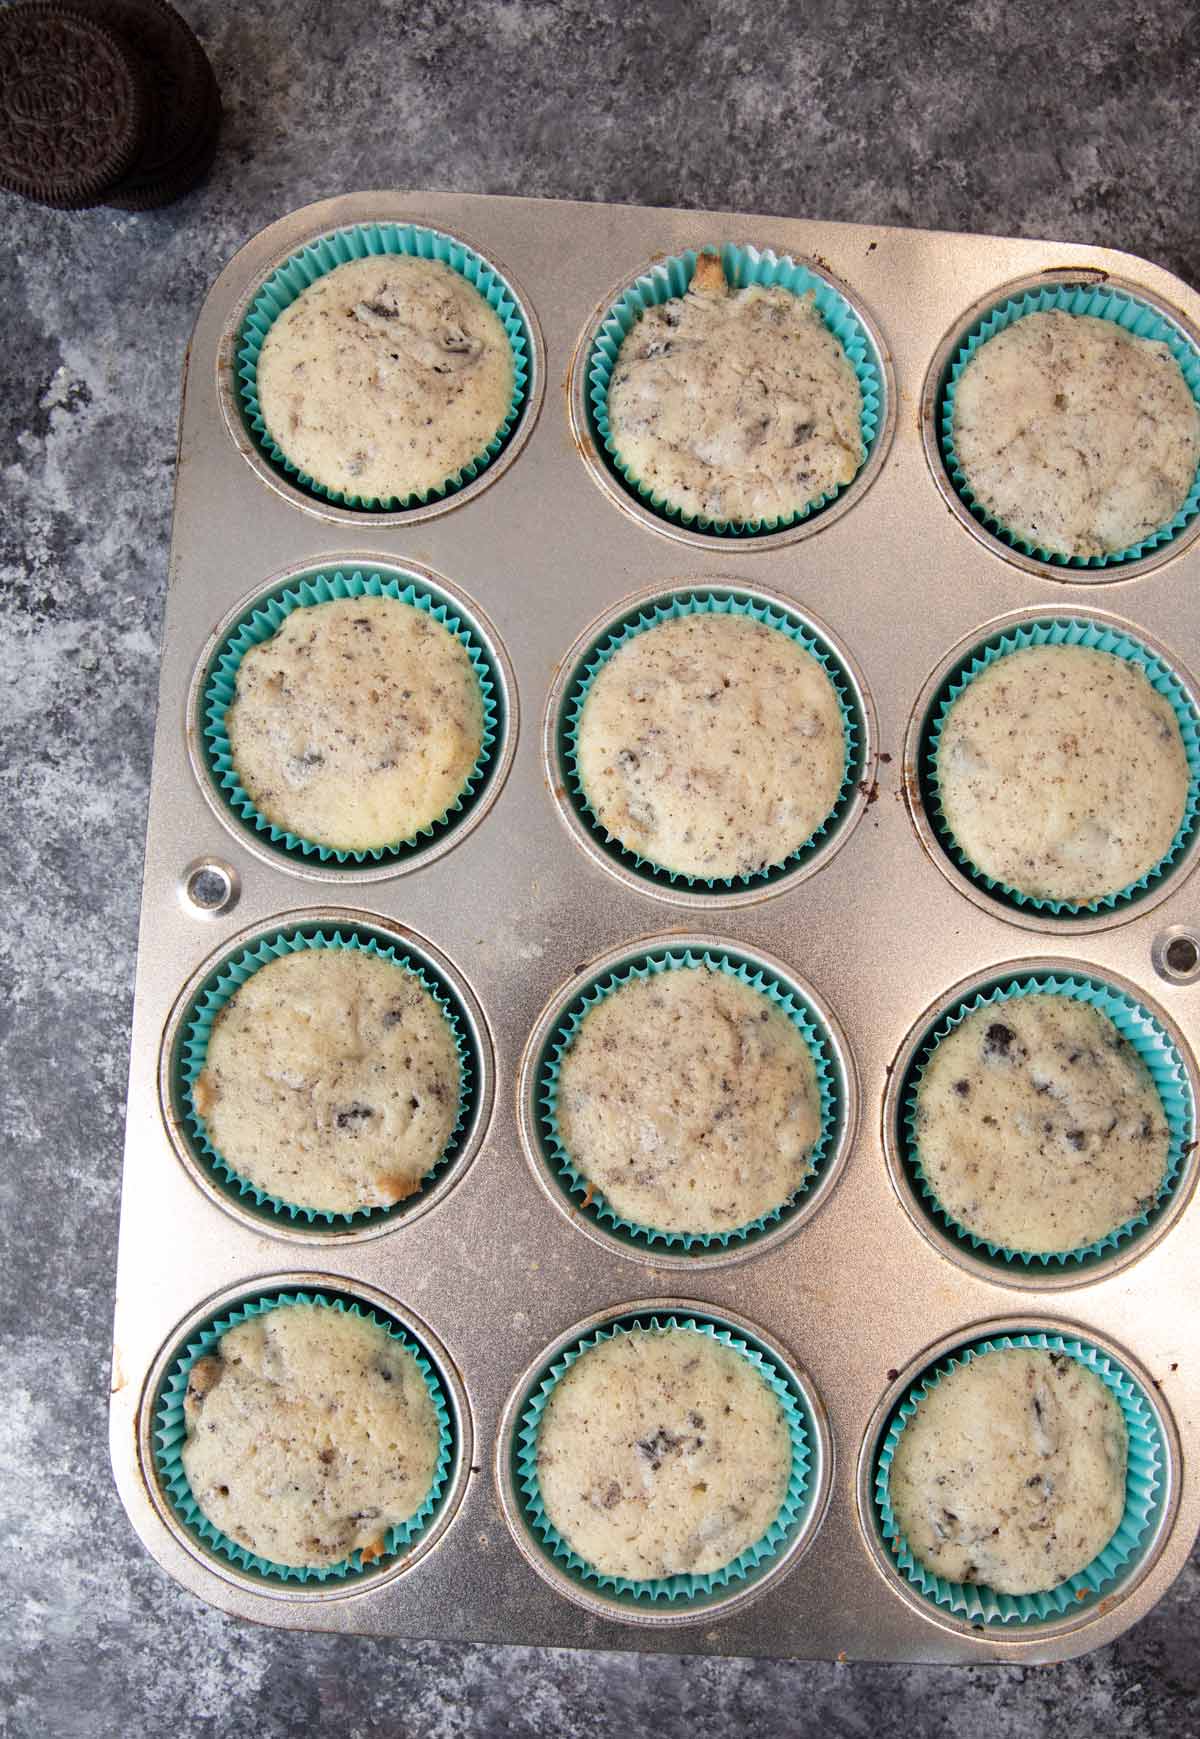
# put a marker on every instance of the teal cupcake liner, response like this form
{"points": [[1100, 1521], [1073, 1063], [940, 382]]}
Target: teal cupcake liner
{"points": [[1155, 1048], [1061, 631], [669, 279], [686, 1588], [724, 603], [170, 1435], [1145, 1493], [590, 1203], [263, 620], [359, 242], [1104, 302], [192, 1053]]}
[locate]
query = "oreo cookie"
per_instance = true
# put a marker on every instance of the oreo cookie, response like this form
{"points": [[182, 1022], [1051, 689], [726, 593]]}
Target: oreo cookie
{"points": [[103, 102], [74, 106], [186, 109], [143, 193]]}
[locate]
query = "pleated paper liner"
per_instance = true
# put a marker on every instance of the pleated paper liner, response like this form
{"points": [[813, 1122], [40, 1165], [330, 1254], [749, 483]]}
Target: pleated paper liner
{"points": [[1144, 1497], [1103, 302], [192, 1051], [263, 620], [716, 602], [1062, 630], [170, 1436], [745, 265], [589, 1202], [680, 1591], [363, 241], [1138, 1027]]}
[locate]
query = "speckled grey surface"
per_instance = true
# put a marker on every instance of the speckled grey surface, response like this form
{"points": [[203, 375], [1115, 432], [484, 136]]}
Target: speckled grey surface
{"points": [[1073, 121]]}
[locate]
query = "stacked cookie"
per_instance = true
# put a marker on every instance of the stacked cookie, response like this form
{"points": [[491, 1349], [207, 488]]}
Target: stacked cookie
{"points": [[103, 102]]}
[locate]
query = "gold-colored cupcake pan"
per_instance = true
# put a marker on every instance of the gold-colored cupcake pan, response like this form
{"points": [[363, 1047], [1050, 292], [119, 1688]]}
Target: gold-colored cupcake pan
{"points": [[857, 1295]]}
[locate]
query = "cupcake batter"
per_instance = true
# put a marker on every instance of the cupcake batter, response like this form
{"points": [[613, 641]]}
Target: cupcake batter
{"points": [[712, 745], [662, 1453], [1074, 435], [385, 377], [332, 1081], [1011, 1472], [689, 1100], [358, 724], [1038, 1126], [735, 404], [1062, 772], [310, 1435]]}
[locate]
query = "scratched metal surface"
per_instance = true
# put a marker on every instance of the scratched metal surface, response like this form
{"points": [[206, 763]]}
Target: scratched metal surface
{"points": [[494, 1271]]}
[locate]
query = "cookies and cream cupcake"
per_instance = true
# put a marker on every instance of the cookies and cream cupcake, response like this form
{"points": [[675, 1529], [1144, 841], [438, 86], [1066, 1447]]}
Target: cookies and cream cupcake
{"points": [[662, 1452], [711, 744], [1037, 1127], [310, 1434], [1011, 1472], [1075, 436], [385, 377], [357, 724], [331, 1081], [735, 405], [689, 1100], [1062, 773]]}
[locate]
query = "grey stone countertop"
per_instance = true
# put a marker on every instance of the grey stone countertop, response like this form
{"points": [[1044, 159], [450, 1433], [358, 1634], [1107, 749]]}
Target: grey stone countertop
{"points": [[1072, 121]]}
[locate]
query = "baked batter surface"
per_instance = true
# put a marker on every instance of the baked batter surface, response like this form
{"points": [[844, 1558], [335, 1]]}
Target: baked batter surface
{"points": [[735, 404], [310, 1434], [690, 1100], [662, 1453], [1062, 772], [711, 745], [1075, 435], [1038, 1125], [1011, 1472], [332, 1080], [386, 377]]}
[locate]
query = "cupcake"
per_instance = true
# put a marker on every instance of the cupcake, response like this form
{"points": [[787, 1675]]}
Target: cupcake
{"points": [[1011, 1471], [357, 724], [689, 1101], [385, 377], [662, 1452], [712, 745], [1037, 1126], [1062, 773], [735, 405], [331, 1081], [310, 1434], [1075, 436]]}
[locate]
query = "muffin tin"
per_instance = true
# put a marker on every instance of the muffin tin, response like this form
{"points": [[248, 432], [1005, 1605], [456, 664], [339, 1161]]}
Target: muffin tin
{"points": [[518, 907]]}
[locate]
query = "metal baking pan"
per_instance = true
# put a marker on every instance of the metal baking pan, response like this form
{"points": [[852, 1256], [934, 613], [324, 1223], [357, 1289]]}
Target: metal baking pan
{"points": [[859, 1294]]}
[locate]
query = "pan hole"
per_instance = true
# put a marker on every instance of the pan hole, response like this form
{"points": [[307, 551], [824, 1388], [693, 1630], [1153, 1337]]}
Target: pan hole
{"points": [[1176, 955], [208, 888]]}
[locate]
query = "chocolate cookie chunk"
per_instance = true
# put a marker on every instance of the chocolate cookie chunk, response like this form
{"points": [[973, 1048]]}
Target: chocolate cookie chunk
{"points": [[74, 106]]}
